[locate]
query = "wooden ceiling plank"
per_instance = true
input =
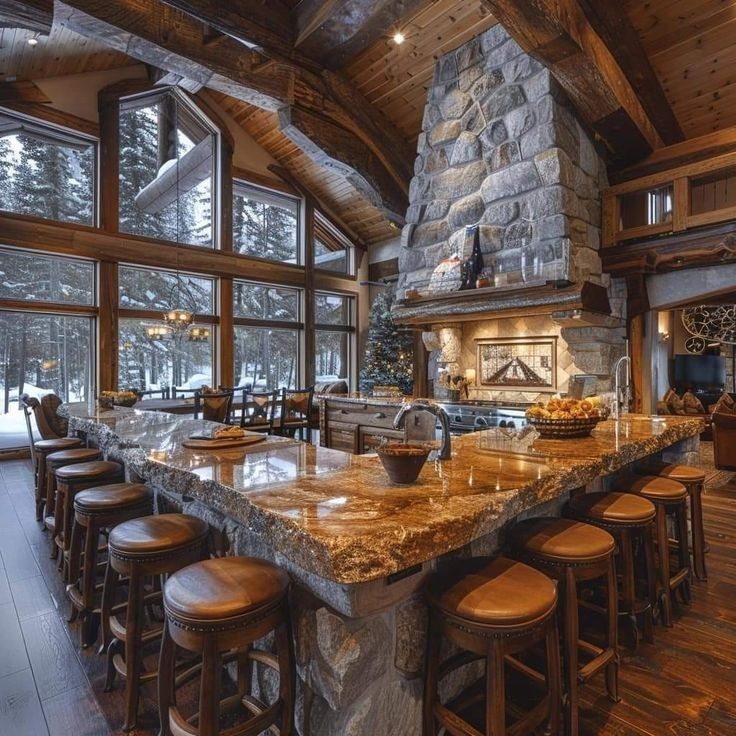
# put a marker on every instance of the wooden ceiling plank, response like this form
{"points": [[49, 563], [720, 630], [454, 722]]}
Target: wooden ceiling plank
{"points": [[22, 92]]}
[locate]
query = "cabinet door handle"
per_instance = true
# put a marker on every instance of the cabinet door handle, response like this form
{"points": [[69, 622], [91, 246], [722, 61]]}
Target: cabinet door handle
{"points": [[379, 415]]}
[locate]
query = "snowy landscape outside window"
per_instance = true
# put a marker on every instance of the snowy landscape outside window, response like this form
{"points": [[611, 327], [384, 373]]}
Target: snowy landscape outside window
{"points": [[167, 170], [145, 364], [46, 171], [268, 332], [265, 224], [334, 336], [42, 351], [332, 252]]}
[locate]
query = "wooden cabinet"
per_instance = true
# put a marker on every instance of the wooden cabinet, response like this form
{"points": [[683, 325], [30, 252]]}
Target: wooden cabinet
{"points": [[358, 427]]}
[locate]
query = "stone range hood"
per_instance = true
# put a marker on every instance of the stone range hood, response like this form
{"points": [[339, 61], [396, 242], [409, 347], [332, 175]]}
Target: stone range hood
{"points": [[501, 149]]}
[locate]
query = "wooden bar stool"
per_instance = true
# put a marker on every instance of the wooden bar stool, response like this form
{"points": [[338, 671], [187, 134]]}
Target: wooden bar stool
{"points": [[573, 552], [670, 499], [141, 549], [54, 461], [41, 450], [70, 479], [492, 609], [219, 607], [693, 479], [95, 511], [628, 518]]}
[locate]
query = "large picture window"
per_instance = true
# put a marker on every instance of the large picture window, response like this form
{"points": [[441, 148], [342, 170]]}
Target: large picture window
{"points": [[334, 337], [168, 162], [47, 346], [46, 171], [265, 224], [178, 363], [268, 332]]}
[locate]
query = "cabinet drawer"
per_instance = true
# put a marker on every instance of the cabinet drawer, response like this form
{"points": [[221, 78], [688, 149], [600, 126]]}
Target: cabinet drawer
{"points": [[371, 439], [345, 439]]}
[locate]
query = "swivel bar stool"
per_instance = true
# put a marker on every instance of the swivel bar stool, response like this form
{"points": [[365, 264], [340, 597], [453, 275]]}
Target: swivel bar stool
{"points": [[670, 499], [142, 549], [95, 511], [573, 552], [629, 519], [54, 461], [693, 479], [492, 609], [42, 449], [70, 479], [217, 609]]}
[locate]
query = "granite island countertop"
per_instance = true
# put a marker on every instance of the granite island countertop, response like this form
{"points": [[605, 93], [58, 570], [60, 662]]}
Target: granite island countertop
{"points": [[338, 515]]}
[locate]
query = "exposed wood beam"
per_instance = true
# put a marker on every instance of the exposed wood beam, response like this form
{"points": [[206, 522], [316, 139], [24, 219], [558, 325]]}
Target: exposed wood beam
{"points": [[559, 35], [336, 31], [620, 37], [170, 39], [35, 15], [22, 92]]}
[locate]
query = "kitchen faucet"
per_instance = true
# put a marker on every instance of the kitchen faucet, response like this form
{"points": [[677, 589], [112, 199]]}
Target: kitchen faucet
{"points": [[445, 452], [625, 361]]}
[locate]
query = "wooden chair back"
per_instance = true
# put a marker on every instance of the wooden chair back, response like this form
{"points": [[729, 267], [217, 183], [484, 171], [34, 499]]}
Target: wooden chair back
{"points": [[214, 405], [259, 410]]}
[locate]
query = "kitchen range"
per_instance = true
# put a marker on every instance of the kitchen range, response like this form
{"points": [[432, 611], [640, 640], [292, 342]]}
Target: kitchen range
{"points": [[473, 416]]}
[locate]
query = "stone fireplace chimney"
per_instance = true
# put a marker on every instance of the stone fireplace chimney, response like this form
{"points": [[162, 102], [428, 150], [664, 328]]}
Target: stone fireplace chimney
{"points": [[501, 148]]}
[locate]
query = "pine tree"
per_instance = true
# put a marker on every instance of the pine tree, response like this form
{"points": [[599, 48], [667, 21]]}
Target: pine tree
{"points": [[389, 352], [7, 166]]}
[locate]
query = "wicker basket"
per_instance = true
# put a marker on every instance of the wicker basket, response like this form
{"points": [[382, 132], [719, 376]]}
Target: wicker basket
{"points": [[564, 428]]}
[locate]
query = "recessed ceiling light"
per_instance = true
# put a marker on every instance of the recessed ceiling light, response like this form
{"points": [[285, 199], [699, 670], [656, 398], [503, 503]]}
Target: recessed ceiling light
{"points": [[33, 40], [399, 38]]}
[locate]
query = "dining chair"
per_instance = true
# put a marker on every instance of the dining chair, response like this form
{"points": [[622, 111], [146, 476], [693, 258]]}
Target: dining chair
{"points": [[213, 405], [296, 408], [258, 410]]}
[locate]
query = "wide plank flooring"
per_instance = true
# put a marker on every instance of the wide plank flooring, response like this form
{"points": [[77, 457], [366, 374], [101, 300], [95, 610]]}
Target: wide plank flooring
{"points": [[683, 685]]}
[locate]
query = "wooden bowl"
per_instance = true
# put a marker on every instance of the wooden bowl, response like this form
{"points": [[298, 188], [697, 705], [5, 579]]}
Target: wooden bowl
{"points": [[402, 463]]}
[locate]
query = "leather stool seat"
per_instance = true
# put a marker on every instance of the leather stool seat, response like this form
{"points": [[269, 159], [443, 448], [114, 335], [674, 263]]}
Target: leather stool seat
{"points": [[681, 473], [223, 588], [491, 609], [152, 534], [60, 443], [502, 592], [658, 489], [78, 472], [74, 455], [613, 508], [110, 497], [562, 540]]}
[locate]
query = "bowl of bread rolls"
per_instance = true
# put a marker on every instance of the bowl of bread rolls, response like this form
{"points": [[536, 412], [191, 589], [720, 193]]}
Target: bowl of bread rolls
{"points": [[563, 418]]}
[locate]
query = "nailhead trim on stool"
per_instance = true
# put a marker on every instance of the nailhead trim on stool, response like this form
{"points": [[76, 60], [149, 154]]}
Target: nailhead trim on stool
{"points": [[221, 607]]}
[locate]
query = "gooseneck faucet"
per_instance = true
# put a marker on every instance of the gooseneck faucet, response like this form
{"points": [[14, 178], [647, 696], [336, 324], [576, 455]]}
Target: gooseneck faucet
{"points": [[625, 361], [445, 452]]}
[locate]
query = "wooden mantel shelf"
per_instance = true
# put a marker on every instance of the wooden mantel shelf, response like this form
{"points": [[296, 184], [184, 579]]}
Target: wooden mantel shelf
{"points": [[500, 302]]}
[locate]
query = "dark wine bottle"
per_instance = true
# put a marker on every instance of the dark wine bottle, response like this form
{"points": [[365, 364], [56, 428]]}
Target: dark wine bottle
{"points": [[476, 257]]}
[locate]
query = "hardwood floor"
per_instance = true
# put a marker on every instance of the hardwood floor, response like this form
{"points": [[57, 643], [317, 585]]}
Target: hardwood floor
{"points": [[683, 685]]}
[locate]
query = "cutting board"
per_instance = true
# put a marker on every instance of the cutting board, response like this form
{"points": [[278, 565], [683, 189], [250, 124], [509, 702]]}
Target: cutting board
{"points": [[220, 444]]}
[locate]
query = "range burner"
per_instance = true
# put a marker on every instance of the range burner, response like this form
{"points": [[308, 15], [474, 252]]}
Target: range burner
{"points": [[471, 416]]}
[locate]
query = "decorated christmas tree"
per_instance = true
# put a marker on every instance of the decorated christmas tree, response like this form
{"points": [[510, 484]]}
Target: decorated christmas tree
{"points": [[389, 351]]}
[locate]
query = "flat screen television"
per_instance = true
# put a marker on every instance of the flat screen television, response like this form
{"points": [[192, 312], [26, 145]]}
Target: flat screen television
{"points": [[700, 372]]}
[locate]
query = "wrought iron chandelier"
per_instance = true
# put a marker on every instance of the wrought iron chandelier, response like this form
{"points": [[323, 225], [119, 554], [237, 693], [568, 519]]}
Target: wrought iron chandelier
{"points": [[711, 322]]}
